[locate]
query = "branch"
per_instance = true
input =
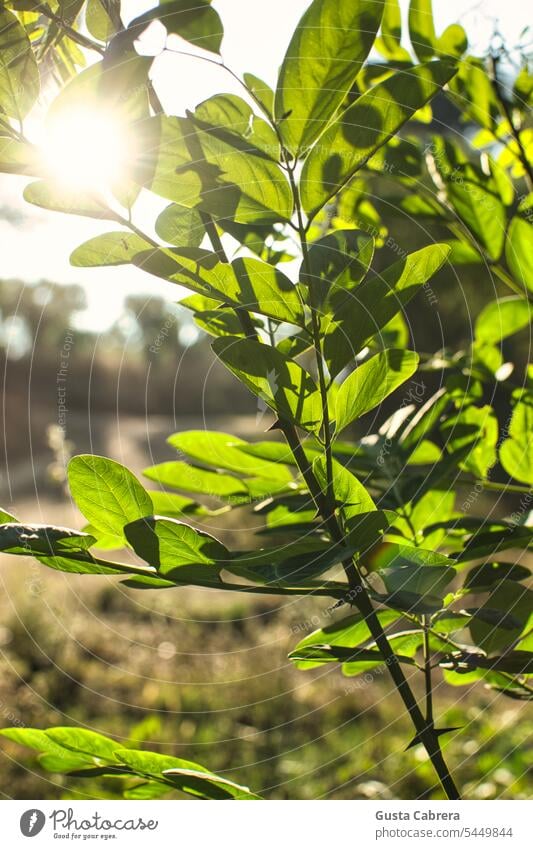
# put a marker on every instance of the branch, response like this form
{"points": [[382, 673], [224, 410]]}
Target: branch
{"points": [[73, 34]]}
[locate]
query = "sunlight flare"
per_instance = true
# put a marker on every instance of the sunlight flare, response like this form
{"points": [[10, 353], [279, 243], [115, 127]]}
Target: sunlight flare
{"points": [[86, 148]]}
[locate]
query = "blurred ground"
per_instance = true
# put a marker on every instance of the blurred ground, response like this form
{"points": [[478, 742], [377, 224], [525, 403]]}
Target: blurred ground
{"points": [[207, 675]]}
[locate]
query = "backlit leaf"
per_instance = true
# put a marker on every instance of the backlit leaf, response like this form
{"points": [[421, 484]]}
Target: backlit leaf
{"points": [[327, 49], [19, 75], [116, 248], [371, 383], [519, 250], [195, 22], [376, 301], [500, 319], [283, 384], [367, 124], [176, 550], [107, 494]]}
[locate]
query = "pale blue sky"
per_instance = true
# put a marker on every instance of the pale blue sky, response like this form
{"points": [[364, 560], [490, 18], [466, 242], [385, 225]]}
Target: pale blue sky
{"points": [[37, 245]]}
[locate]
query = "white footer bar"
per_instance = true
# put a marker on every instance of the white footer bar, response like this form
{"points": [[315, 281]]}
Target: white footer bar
{"points": [[263, 825]]}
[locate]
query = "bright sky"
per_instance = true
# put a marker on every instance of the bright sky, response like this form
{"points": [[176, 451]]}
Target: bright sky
{"points": [[36, 244]]}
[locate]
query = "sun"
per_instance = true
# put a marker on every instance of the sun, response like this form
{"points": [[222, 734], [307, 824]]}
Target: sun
{"points": [[86, 149]]}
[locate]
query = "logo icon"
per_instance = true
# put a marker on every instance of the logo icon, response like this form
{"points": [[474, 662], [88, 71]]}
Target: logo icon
{"points": [[32, 822]]}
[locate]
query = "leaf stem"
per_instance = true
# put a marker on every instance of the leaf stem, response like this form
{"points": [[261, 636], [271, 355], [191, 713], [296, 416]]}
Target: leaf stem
{"points": [[427, 673], [494, 486], [315, 325], [358, 594]]}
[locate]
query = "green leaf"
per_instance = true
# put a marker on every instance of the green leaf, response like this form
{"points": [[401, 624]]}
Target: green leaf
{"points": [[350, 631], [415, 571], [501, 318], [181, 475], [261, 91], [417, 517], [243, 184], [19, 74], [234, 115], [180, 226], [284, 385], [53, 756], [98, 22], [488, 543], [20, 157], [82, 753], [487, 575], [404, 646], [376, 301], [147, 582], [290, 565], [482, 212], [341, 654], [151, 763], [275, 452], [107, 494], [363, 523], [213, 171], [186, 776], [516, 452], [519, 251], [118, 248], [176, 550], [147, 790], [364, 127], [389, 43], [453, 41], [280, 517], [514, 663], [103, 541], [338, 262], [474, 93], [508, 599], [207, 786], [409, 602], [418, 580], [478, 427], [450, 622], [220, 322], [516, 458], [40, 540], [463, 253], [350, 493], [115, 88], [326, 52], [195, 22], [174, 505], [33, 738], [83, 741], [223, 451], [70, 201], [371, 383], [262, 288], [6, 517], [422, 29], [247, 282], [82, 563], [195, 268]]}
